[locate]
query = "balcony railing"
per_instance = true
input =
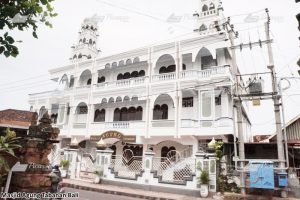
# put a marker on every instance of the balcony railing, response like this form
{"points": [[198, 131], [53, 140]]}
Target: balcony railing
{"points": [[219, 122], [213, 71], [122, 83], [125, 125], [163, 123], [193, 74], [163, 77]]}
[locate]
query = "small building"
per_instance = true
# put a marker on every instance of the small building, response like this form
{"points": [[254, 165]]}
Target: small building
{"points": [[293, 141], [17, 120]]}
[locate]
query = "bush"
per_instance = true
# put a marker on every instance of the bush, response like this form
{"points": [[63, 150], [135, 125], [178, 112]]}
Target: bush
{"points": [[204, 177], [65, 164]]}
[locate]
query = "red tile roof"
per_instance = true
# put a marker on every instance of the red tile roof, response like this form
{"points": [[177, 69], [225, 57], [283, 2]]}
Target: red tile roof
{"points": [[18, 118]]}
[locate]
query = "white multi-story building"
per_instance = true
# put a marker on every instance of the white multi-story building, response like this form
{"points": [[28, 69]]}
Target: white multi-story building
{"points": [[172, 98]]}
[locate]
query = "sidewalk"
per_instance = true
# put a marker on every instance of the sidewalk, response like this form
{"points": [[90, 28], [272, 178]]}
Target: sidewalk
{"points": [[125, 191]]}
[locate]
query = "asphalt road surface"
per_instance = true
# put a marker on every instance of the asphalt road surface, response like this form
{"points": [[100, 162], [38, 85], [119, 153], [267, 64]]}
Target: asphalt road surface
{"points": [[87, 195]]}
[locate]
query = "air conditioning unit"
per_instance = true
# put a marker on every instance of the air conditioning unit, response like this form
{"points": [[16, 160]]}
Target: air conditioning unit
{"points": [[255, 86]]}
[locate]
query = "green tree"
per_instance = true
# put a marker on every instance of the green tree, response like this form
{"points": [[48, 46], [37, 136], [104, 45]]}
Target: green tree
{"points": [[8, 143], [22, 15]]}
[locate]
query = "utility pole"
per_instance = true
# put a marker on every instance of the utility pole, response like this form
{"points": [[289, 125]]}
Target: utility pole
{"points": [[276, 100], [238, 105]]}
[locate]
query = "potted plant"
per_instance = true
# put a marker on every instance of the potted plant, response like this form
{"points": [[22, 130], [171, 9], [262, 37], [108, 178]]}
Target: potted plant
{"points": [[203, 180], [98, 174], [65, 166]]}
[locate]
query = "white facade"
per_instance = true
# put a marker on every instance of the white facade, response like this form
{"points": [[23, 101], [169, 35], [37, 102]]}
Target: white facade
{"points": [[175, 95]]}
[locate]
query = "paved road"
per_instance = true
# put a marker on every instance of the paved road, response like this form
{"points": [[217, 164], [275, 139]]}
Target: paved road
{"points": [[87, 195]]}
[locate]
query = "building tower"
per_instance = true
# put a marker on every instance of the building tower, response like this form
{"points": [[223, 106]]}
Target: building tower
{"points": [[209, 17], [86, 47]]}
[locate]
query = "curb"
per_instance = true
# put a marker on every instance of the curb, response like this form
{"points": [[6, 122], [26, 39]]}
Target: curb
{"points": [[105, 191]]}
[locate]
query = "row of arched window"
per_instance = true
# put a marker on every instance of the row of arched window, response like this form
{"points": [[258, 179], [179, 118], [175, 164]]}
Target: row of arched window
{"points": [[128, 114], [80, 56], [89, 27], [133, 74], [206, 8], [122, 63], [170, 69], [123, 114], [85, 41]]}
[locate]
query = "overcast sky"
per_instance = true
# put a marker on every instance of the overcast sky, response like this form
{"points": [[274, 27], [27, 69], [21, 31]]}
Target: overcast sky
{"points": [[134, 23]]}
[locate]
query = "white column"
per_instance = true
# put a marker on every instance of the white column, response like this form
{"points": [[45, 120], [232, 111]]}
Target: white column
{"points": [[72, 157], [71, 119], [178, 112], [148, 160], [225, 105], [149, 115]]}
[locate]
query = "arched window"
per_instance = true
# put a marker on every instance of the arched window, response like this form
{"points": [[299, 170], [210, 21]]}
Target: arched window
{"points": [[120, 77], [211, 6], [82, 109], [101, 80], [126, 98], [90, 41], [203, 27], [134, 74], [131, 114], [80, 55], [163, 70], [118, 99], [114, 64], [107, 66], [54, 118], [128, 62], [156, 112], [204, 8], [94, 44], [136, 60], [89, 82], [171, 68], [139, 113], [74, 57], [117, 115], [111, 100], [164, 111], [84, 40], [142, 73], [121, 63], [80, 41], [134, 98], [124, 114], [99, 115], [126, 75]]}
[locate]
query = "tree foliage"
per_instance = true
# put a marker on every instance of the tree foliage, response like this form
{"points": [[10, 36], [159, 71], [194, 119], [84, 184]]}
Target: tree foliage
{"points": [[22, 15], [9, 142]]}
